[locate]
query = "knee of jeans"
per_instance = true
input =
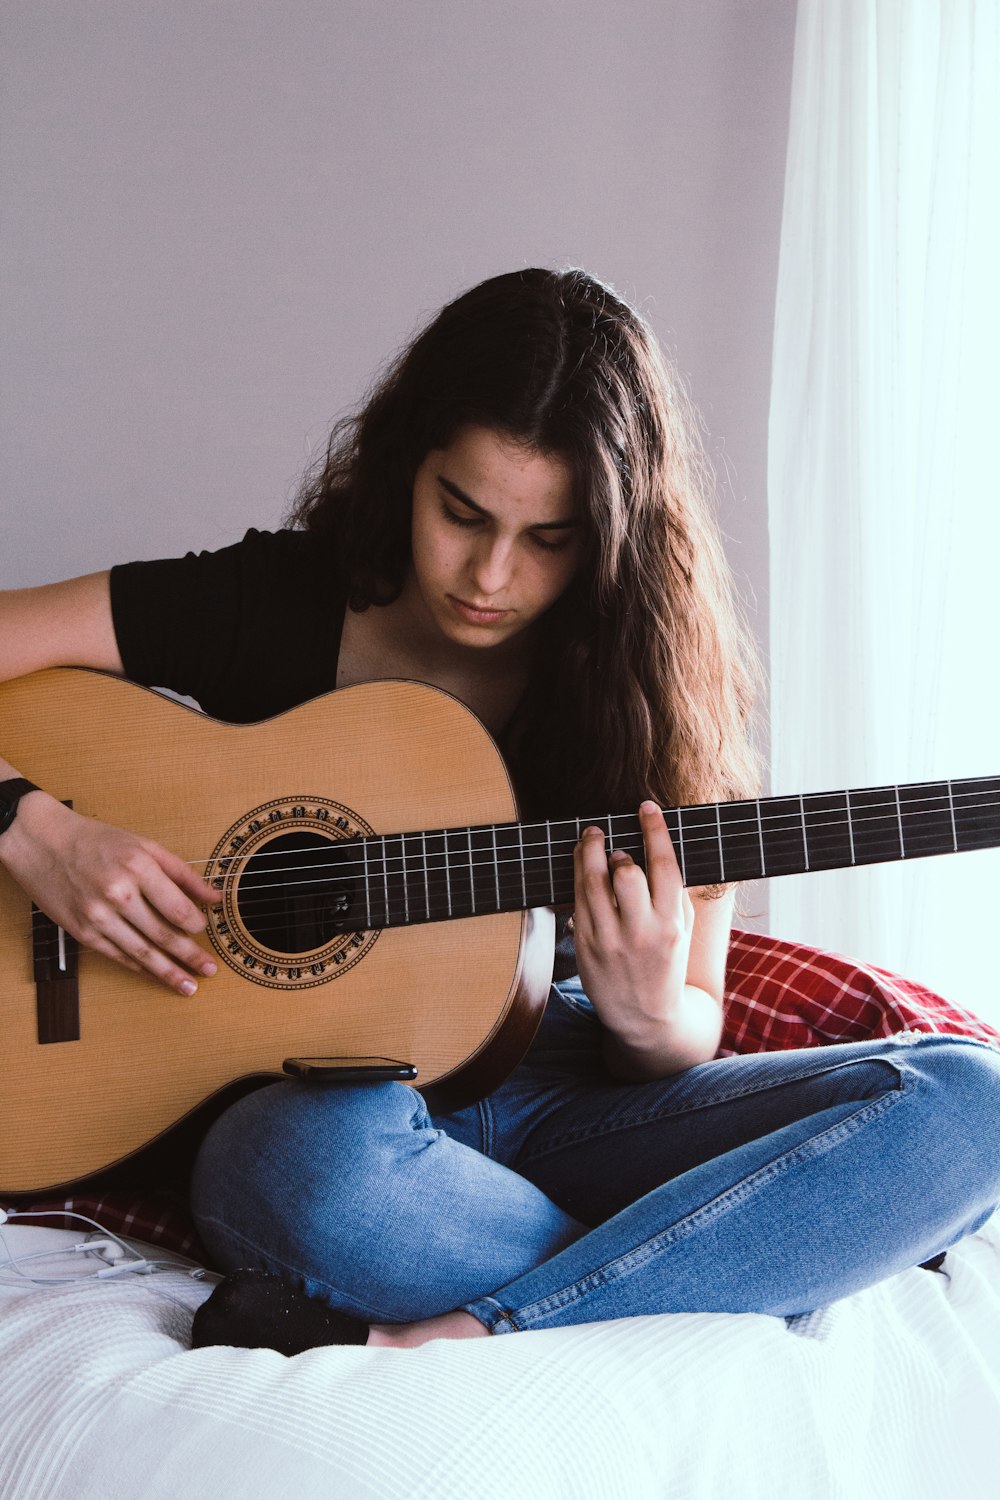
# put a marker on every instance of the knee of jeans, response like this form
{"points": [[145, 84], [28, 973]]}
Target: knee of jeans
{"points": [[962, 1079], [286, 1158]]}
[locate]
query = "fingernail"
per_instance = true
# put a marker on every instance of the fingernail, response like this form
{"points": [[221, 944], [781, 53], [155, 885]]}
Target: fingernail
{"points": [[188, 987], [208, 968], [648, 807]]}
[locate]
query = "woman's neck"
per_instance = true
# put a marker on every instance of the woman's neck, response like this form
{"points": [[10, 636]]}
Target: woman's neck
{"points": [[402, 640]]}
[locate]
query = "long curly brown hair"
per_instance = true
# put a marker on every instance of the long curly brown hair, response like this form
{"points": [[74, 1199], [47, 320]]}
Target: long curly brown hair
{"points": [[649, 674]]}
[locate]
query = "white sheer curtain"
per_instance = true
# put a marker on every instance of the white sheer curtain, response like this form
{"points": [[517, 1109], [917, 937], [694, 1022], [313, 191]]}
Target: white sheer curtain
{"points": [[884, 496]]}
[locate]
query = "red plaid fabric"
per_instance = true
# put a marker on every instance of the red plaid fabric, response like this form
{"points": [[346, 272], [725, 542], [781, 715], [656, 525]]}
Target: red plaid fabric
{"points": [[782, 995], [779, 995]]}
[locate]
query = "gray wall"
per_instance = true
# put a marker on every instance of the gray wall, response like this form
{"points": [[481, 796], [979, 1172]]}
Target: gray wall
{"points": [[221, 217]]}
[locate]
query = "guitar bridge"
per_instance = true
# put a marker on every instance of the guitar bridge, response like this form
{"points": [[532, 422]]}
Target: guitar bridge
{"points": [[57, 991]]}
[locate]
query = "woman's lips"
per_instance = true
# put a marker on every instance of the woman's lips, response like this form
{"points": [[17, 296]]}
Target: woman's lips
{"points": [[474, 615]]}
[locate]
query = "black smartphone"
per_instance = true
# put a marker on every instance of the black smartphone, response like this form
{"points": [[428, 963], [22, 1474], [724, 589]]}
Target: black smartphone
{"points": [[348, 1069]]}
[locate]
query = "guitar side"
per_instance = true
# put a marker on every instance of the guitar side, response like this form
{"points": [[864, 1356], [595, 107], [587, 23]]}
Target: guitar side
{"points": [[461, 999]]}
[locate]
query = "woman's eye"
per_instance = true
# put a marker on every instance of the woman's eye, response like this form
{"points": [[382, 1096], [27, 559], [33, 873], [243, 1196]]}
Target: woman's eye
{"points": [[457, 520], [540, 541]]}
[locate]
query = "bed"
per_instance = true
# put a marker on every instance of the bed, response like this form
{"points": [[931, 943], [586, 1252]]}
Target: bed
{"points": [[892, 1392]]}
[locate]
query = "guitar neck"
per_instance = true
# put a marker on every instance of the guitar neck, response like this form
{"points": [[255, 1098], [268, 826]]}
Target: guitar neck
{"points": [[459, 872]]}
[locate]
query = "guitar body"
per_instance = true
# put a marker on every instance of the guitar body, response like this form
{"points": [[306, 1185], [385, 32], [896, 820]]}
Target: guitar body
{"points": [[379, 898], [460, 999]]}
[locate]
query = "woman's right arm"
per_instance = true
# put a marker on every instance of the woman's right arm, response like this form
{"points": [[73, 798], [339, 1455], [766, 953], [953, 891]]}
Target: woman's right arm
{"points": [[122, 895]]}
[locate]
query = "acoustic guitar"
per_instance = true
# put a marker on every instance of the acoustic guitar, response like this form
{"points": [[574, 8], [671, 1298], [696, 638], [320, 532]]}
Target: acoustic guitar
{"points": [[379, 898]]}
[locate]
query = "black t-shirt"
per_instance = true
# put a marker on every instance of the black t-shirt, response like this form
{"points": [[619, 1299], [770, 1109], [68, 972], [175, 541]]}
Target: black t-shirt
{"points": [[248, 631]]}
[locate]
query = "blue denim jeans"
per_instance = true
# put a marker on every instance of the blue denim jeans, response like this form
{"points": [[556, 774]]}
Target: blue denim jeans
{"points": [[773, 1183]]}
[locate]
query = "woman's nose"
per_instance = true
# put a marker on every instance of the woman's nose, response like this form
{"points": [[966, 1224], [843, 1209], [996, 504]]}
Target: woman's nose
{"points": [[492, 566]]}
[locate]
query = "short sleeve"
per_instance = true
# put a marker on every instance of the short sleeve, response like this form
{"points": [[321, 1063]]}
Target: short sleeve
{"points": [[248, 631]]}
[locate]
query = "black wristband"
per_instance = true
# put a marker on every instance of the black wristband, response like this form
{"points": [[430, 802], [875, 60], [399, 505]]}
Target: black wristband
{"points": [[11, 793]]}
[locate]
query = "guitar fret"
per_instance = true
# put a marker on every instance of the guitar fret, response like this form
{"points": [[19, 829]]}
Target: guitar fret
{"points": [[781, 832], [698, 830], [951, 805], [510, 876], [629, 837], [718, 825], [926, 819], [405, 876], [625, 838], [404, 882], [760, 840], [444, 897], [977, 813], [537, 857], [805, 841], [829, 830], [368, 899], [427, 889], [899, 820], [390, 881], [742, 841], [548, 845], [850, 827], [486, 868], [472, 874], [876, 825], [680, 846], [447, 881], [566, 835]]}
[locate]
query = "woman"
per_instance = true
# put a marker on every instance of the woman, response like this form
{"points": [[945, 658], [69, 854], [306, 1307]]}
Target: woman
{"points": [[519, 515]]}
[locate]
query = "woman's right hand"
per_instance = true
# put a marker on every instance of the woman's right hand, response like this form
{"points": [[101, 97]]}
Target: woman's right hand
{"points": [[116, 892]]}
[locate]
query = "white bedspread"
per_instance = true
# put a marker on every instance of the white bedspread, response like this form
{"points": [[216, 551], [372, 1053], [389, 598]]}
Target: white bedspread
{"points": [[892, 1394]]}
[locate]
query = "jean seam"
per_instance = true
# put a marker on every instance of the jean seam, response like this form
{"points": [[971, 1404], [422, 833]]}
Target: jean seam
{"points": [[488, 1125], [492, 1314], [746, 1188], [356, 1307], [665, 1112]]}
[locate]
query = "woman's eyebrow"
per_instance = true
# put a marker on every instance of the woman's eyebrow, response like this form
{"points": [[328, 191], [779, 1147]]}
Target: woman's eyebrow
{"points": [[480, 510]]}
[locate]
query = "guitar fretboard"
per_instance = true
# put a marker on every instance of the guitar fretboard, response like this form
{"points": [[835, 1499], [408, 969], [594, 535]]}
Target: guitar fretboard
{"points": [[399, 879]]}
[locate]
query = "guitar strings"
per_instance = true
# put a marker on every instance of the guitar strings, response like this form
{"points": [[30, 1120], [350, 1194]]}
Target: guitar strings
{"points": [[631, 841], [782, 822], [775, 821], [380, 915], [409, 863]]}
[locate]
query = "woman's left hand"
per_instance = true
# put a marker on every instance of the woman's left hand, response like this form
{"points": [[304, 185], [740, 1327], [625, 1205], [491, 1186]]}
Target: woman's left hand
{"points": [[632, 930]]}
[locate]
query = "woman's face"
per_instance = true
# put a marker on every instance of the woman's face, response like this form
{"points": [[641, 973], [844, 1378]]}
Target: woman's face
{"points": [[495, 538]]}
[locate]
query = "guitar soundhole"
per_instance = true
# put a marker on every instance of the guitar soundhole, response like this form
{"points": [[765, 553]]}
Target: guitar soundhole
{"points": [[291, 898]]}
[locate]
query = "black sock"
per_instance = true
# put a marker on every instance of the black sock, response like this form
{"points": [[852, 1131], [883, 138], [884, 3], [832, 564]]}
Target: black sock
{"points": [[259, 1310]]}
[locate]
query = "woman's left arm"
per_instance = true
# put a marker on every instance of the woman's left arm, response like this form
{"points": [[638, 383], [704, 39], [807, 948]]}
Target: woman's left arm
{"points": [[652, 960]]}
